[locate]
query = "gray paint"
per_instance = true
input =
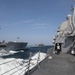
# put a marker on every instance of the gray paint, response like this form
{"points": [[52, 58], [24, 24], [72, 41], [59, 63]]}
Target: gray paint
{"points": [[66, 33]]}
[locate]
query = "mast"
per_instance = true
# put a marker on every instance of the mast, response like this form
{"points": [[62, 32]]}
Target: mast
{"points": [[18, 38], [74, 14]]}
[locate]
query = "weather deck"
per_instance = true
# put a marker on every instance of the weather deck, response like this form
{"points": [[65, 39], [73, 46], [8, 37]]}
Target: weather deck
{"points": [[62, 64]]}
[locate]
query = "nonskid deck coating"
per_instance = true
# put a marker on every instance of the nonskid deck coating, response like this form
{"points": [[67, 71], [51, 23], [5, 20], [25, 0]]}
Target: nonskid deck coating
{"points": [[62, 64]]}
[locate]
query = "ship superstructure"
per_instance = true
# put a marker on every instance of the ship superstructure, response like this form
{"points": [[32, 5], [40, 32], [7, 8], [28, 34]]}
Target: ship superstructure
{"points": [[64, 41]]}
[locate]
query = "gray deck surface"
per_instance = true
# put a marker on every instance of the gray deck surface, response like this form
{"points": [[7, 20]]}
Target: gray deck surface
{"points": [[62, 64]]}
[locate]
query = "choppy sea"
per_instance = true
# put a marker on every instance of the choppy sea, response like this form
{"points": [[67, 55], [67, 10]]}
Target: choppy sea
{"points": [[26, 53]]}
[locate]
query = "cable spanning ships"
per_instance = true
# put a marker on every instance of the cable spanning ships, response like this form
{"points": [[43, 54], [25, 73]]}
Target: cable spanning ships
{"points": [[64, 41], [13, 46]]}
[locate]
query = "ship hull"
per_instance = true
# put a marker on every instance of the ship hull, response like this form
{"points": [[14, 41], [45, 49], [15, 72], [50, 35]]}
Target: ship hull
{"points": [[14, 46]]}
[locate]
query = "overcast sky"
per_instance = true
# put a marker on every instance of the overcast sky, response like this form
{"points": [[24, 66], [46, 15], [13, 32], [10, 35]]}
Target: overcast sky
{"points": [[34, 21]]}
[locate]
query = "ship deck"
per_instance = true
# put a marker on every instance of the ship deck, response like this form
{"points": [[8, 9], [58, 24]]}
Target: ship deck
{"points": [[62, 64]]}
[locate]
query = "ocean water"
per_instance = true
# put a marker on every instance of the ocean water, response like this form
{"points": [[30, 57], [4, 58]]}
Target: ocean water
{"points": [[41, 49], [26, 53]]}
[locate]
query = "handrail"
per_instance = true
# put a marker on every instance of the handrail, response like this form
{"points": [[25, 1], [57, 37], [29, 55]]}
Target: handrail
{"points": [[10, 70], [7, 62], [18, 70], [26, 66], [23, 71]]}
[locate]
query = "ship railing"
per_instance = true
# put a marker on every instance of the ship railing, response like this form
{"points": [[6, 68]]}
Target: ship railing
{"points": [[7, 62], [24, 68]]}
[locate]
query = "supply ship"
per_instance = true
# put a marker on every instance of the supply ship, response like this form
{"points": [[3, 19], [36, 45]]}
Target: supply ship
{"points": [[13, 45]]}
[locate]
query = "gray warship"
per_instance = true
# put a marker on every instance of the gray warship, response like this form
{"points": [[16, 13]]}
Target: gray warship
{"points": [[62, 62], [64, 41]]}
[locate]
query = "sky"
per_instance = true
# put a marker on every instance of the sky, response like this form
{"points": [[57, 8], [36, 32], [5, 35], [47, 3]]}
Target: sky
{"points": [[33, 21]]}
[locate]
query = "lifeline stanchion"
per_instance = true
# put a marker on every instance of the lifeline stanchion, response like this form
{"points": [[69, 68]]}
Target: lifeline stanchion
{"points": [[29, 63], [38, 59]]}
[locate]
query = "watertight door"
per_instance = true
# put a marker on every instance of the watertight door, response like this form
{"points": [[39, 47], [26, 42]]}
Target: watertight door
{"points": [[58, 46]]}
